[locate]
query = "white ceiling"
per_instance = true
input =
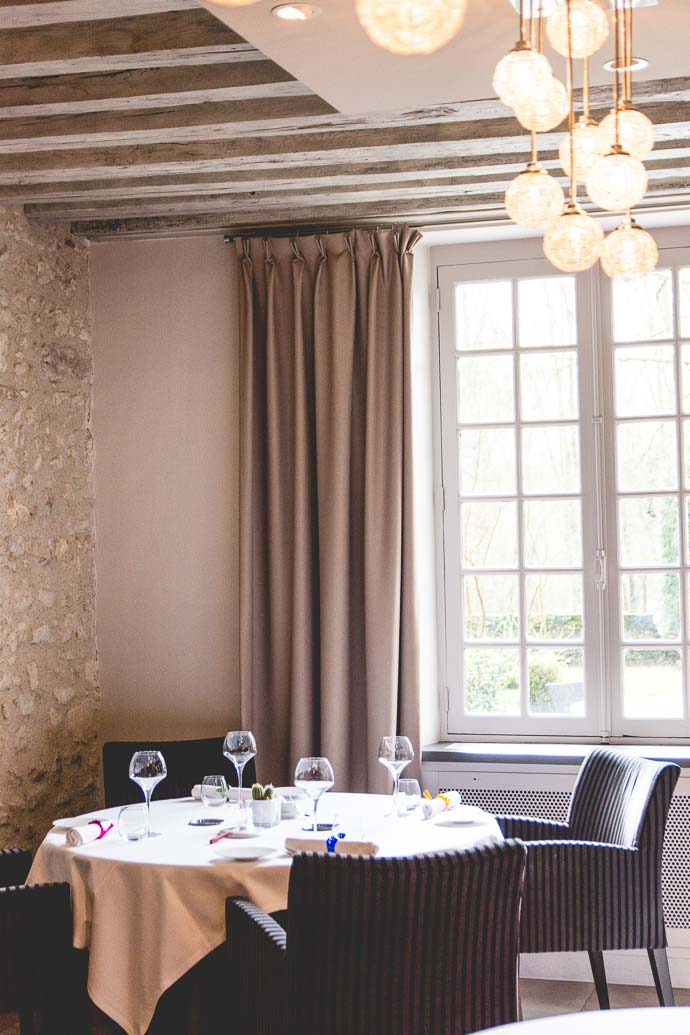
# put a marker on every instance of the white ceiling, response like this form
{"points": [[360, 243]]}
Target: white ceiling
{"points": [[333, 56]]}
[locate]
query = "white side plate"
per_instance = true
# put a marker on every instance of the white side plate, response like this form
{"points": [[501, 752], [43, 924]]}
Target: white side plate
{"points": [[230, 850]]}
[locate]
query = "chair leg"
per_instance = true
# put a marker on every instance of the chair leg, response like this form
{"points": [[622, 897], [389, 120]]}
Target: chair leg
{"points": [[658, 959], [596, 960]]}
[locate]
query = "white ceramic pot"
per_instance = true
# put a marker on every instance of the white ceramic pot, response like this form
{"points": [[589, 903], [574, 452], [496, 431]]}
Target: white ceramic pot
{"points": [[266, 813]]}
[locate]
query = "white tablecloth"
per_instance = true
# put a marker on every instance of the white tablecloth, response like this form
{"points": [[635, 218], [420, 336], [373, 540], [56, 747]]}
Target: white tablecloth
{"points": [[148, 911]]}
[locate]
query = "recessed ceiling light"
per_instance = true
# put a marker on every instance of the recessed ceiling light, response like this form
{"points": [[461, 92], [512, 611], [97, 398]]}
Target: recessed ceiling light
{"points": [[296, 12], [636, 65]]}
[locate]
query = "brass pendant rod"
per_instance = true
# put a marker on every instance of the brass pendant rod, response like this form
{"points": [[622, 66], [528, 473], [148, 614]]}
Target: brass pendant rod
{"points": [[571, 111], [585, 87], [616, 67]]}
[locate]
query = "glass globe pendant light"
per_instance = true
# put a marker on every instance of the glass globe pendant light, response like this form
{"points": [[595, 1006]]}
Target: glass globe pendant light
{"points": [[572, 243], [629, 252], [534, 199], [587, 147], [524, 75], [588, 29], [411, 26], [617, 181], [635, 132], [547, 112]]}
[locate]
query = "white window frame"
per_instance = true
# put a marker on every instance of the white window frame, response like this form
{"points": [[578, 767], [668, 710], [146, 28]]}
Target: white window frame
{"points": [[604, 720]]}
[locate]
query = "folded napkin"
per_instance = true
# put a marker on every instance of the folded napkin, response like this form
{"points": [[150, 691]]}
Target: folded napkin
{"points": [[232, 793], [340, 847], [441, 803], [94, 830]]}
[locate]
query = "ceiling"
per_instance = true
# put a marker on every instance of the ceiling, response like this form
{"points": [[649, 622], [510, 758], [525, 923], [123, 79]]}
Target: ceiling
{"points": [[334, 56], [142, 115]]}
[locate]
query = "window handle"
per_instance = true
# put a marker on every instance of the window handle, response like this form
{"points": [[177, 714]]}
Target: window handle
{"points": [[600, 570]]}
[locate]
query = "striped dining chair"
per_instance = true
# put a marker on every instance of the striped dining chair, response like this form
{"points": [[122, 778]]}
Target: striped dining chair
{"points": [[41, 975], [593, 883], [387, 946]]}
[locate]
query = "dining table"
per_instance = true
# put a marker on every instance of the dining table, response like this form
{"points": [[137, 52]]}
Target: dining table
{"points": [[148, 911]]}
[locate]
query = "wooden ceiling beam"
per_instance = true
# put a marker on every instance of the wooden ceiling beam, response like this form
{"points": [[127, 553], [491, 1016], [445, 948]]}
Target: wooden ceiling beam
{"points": [[135, 42], [28, 14], [137, 88]]}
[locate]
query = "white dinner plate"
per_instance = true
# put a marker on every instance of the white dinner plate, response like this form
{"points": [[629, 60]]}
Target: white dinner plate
{"points": [[230, 850], [461, 816]]}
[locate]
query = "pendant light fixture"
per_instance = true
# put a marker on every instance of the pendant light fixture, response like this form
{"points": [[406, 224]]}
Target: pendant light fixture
{"points": [[573, 241], [617, 181], [523, 76], [629, 252], [534, 198], [585, 140], [578, 31], [411, 26], [635, 131]]}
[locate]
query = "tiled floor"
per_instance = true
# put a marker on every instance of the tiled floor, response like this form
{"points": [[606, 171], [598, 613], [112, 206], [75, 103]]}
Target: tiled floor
{"points": [[539, 999], [545, 998]]}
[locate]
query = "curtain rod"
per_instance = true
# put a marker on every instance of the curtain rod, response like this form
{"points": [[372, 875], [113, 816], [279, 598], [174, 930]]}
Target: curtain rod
{"points": [[309, 229]]}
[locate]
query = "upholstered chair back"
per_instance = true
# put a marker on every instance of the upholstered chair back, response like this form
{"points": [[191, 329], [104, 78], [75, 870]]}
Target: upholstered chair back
{"points": [[621, 799], [187, 761], [405, 946]]}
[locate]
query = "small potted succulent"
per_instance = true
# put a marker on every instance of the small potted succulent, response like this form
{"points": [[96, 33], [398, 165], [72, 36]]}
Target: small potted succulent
{"points": [[265, 806]]}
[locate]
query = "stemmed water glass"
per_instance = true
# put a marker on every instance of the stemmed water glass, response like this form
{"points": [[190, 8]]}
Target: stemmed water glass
{"points": [[314, 776], [239, 747], [395, 753], [147, 769]]}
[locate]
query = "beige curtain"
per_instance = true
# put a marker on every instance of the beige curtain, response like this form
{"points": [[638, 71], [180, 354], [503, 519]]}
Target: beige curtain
{"points": [[329, 653]]}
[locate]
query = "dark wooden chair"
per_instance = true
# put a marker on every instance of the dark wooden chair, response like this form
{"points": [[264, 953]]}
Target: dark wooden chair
{"points": [[41, 976], [594, 882], [188, 762], [392, 946]]}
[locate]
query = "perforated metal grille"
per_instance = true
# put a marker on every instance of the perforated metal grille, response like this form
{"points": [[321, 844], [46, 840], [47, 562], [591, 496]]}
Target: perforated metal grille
{"points": [[554, 805]]}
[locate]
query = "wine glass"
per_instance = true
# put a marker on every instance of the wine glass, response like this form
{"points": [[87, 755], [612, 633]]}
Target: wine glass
{"points": [[239, 747], [214, 791], [395, 753], [409, 796], [147, 769], [314, 776]]}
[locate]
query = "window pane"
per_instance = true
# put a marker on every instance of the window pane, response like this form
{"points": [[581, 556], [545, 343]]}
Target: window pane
{"points": [[547, 312], [487, 462], [484, 315], [485, 390], [491, 607], [650, 606], [647, 456], [489, 535], [686, 451], [552, 534], [492, 681], [551, 460], [648, 531], [652, 683], [684, 299], [554, 606], [685, 378], [645, 381], [556, 685], [643, 308], [548, 386]]}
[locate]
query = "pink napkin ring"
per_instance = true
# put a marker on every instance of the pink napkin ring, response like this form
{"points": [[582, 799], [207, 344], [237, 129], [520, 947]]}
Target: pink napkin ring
{"points": [[102, 827]]}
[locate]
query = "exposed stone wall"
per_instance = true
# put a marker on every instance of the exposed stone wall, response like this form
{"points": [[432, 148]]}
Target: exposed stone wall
{"points": [[49, 696]]}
